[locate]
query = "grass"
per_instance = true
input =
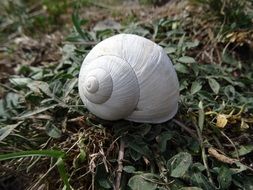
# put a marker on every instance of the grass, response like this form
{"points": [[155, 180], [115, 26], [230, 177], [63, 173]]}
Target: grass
{"points": [[47, 134]]}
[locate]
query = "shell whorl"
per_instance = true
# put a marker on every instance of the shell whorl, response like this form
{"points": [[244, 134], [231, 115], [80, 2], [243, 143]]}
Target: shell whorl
{"points": [[97, 86], [91, 84], [109, 87]]}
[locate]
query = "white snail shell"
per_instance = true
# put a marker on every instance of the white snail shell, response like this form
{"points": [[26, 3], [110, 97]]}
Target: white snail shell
{"points": [[129, 77]]}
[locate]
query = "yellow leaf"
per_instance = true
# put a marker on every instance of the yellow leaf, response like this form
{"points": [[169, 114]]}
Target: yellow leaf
{"points": [[221, 120], [244, 125], [229, 35], [248, 120], [211, 113]]}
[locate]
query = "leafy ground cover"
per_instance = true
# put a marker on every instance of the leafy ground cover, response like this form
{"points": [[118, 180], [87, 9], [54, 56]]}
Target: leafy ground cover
{"points": [[48, 140]]}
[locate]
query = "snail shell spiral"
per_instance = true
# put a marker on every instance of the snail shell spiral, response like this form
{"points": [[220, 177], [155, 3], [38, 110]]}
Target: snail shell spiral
{"points": [[129, 77]]}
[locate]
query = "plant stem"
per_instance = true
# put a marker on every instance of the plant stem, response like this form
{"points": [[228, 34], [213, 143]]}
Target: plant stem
{"points": [[120, 165], [184, 127], [203, 154]]}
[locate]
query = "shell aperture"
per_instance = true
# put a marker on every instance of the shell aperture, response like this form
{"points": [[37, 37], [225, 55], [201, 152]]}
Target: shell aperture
{"points": [[129, 77]]}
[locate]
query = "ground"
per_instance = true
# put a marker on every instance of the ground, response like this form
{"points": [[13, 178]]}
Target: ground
{"points": [[48, 140]]}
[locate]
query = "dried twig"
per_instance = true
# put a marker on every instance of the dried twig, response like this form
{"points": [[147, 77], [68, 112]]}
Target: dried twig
{"points": [[214, 153], [35, 186], [232, 143], [185, 128], [92, 43], [120, 165]]}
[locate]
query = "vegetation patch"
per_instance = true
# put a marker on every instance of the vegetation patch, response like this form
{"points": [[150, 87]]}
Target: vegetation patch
{"points": [[48, 140]]}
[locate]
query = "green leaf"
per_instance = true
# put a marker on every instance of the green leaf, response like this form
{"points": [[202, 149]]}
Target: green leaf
{"points": [[240, 168], [12, 100], [57, 89], [5, 131], [196, 69], [179, 164], [243, 150], [50, 153], [170, 50], [40, 110], [248, 183], [229, 91], [129, 169], [22, 154], [141, 148], [198, 167], [68, 87], [228, 59], [103, 182], [162, 140], [186, 59], [199, 180], [82, 155], [52, 130], [141, 182], [68, 51], [161, 188], [135, 155], [40, 86], [224, 177], [181, 42], [63, 173], [183, 85], [192, 44], [243, 182], [215, 86], [195, 87], [181, 68], [143, 129], [190, 188], [77, 24], [102, 177], [20, 81], [3, 111]]}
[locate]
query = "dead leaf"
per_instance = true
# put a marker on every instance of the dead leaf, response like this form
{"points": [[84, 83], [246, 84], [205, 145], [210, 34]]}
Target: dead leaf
{"points": [[221, 120], [107, 24]]}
